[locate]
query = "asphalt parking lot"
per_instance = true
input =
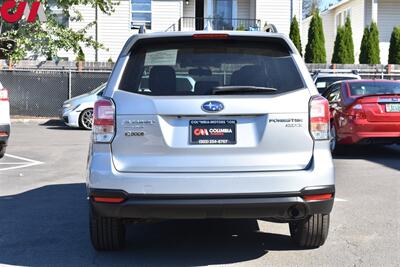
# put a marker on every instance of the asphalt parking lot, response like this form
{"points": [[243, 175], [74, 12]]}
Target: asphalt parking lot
{"points": [[43, 214]]}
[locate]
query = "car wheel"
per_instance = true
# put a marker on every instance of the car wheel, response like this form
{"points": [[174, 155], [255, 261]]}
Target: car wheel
{"points": [[310, 232], [106, 233], [2, 151], [333, 139], [86, 119]]}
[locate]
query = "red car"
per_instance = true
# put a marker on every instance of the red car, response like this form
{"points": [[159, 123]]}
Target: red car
{"points": [[364, 112]]}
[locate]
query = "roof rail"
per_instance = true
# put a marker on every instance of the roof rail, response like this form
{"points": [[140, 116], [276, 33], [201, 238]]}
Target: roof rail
{"points": [[141, 29], [270, 28], [353, 71]]}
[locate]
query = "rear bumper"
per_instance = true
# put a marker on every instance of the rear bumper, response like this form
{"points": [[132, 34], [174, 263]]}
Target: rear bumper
{"points": [[285, 207], [371, 138], [364, 132], [4, 133]]}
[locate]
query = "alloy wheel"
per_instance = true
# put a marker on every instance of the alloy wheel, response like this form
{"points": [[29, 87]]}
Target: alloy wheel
{"points": [[87, 119]]}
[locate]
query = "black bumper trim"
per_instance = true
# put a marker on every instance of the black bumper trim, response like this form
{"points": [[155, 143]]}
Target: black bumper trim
{"points": [[282, 206], [312, 190]]}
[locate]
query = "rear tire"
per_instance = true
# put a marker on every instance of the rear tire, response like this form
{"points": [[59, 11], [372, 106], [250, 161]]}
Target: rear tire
{"points": [[310, 232], [106, 233], [2, 150]]}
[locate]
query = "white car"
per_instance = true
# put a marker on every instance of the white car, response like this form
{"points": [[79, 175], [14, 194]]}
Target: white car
{"points": [[4, 120], [323, 80], [78, 111]]}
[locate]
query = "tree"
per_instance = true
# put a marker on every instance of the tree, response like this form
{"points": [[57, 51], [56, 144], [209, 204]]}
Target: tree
{"points": [[315, 49], [374, 51], [348, 40], [364, 47], [46, 39], [394, 50], [340, 50], [370, 52], [295, 34], [310, 6]]}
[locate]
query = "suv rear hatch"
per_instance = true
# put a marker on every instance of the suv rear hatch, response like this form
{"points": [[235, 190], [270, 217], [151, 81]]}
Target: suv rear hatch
{"points": [[248, 110]]}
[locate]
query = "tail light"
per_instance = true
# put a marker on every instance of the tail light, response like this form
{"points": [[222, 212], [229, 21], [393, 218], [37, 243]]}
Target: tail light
{"points": [[103, 121], [319, 118], [318, 197], [357, 112], [3, 94]]}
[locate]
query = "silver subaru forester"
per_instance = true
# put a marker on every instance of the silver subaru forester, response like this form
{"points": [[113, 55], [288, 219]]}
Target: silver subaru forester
{"points": [[250, 140]]}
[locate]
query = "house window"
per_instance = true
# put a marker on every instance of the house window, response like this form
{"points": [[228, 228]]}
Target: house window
{"points": [[342, 16], [223, 10], [141, 13], [58, 13]]}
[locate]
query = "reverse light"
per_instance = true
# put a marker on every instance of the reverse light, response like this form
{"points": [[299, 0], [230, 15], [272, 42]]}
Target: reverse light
{"points": [[318, 197], [319, 118], [103, 121], [3, 94]]}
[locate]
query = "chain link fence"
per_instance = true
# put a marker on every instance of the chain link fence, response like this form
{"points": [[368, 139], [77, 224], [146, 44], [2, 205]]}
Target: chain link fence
{"points": [[40, 89], [42, 92]]}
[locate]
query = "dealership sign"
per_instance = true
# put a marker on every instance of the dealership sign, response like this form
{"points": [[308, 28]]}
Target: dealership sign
{"points": [[12, 11]]}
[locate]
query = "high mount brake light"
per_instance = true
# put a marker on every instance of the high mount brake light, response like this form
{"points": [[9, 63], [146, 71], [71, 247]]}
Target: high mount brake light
{"points": [[319, 118], [210, 36], [103, 121], [3, 94]]}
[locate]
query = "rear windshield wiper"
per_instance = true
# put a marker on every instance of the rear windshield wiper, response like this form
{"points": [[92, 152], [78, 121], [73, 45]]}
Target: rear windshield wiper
{"points": [[218, 90]]}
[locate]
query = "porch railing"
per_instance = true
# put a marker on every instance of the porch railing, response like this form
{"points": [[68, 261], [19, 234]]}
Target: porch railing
{"points": [[218, 23]]}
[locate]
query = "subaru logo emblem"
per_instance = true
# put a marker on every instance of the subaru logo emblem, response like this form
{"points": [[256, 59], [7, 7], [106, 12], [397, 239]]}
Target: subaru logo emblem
{"points": [[212, 106]]}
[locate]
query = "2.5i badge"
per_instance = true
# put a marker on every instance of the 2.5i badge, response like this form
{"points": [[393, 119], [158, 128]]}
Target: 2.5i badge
{"points": [[212, 132]]}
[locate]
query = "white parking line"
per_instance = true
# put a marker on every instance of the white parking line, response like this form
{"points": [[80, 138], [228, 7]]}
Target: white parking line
{"points": [[340, 199], [28, 163]]}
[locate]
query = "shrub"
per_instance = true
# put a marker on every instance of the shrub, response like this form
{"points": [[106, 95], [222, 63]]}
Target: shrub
{"points": [[348, 40], [364, 47], [340, 50], [295, 34], [394, 50], [315, 49], [374, 51]]}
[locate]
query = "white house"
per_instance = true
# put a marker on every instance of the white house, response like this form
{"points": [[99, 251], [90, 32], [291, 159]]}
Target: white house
{"points": [[362, 12], [167, 15]]}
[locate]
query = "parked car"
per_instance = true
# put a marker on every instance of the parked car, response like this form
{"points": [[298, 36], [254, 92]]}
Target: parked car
{"points": [[364, 112], [323, 80], [252, 141], [4, 120], [78, 111], [183, 84]]}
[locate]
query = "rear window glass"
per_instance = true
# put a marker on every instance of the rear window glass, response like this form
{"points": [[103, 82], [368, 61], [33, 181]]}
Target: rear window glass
{"points": [[198, 67], [323, 83], [373, 88]]}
